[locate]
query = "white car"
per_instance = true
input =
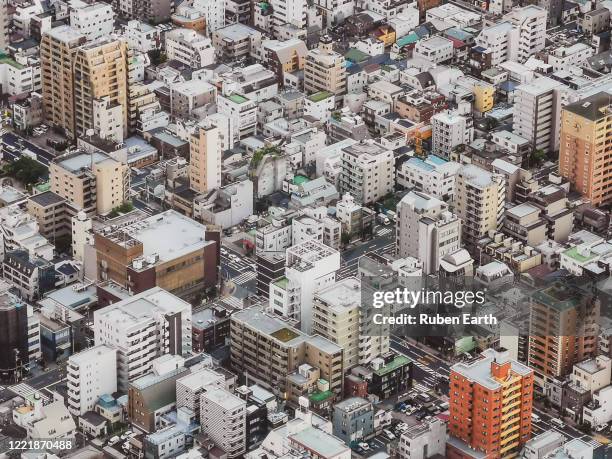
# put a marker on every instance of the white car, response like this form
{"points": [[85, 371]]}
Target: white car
{"points": [[601, 428], [364, 446]]}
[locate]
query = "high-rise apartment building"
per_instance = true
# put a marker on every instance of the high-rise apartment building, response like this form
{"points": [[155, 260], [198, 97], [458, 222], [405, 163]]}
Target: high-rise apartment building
{"points": [[100, 71], [141, 328], [426, 230], [75, 72], [367, 171], [338, 316], [269, 350], [310, 266], [93, 182], [490, 406], [563, 330], [531, 23], [325, 69], [537, 108], [585, 146], [90, 374], [223, 418], [13, 337], [57, 50], [450, 130], [501, 40], [480, 197], [205, 159]]}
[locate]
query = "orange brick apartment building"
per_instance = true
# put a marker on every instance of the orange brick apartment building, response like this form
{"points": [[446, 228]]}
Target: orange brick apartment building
{"points": [[490, 407]]}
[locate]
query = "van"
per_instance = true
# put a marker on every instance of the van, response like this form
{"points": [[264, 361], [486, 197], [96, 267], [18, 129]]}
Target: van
{"points": [[535, 417], [113, 440], [389, 434], [557, 423]]}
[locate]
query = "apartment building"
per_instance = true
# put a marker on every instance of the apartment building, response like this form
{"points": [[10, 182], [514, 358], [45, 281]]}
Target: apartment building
{"points": [[586, 133], [94, 21], [480, 199], [242, 113], [563, 58], [367, 171], [57, 50], [338, 316], [141, 328], [223, 418], [325, 69], [310, 266], [353, 419], [190, 388], [422, 441], [501, 40], [537, 108], [450, 130], [100, 71], [435, 49], [167, 250], [523, 222], [236, 40], [426, 230], [269, 350], [490, 405], [190, 47], [90, 374], [205, 159], [93, 182], [432, 175], [530, 21], [13, 335], [284, 57], [562, 330]]}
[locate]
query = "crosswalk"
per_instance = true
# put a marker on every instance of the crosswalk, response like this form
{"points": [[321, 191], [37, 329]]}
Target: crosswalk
{"points": [[384, 231], [420, 387], [425, 368], [244, 278], [25, 390]]}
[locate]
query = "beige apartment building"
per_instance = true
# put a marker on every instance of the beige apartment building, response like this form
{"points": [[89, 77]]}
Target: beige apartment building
{"points": [[100, 71], [480, 197], [75, 72], [205, 159], [93, 182], [57, 49], [269, 350], [324, 69], [586, 144], [563, 330]]}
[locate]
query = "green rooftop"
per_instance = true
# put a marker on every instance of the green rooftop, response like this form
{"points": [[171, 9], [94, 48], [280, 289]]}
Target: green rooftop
{"points": [[238, 99], [320, 396], [300, 179], [397, 362], [281, 282], [42, 187], [356, 56], [5, 59], [573, 253], [284, 334], [319, 96]]}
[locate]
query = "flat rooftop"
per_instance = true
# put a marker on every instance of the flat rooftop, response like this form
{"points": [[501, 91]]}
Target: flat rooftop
{"points": [[479, 371]]}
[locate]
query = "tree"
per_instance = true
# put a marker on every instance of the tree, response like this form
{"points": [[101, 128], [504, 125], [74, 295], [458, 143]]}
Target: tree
{"points": [[157, 57], [537, 157], [345, 238], [26, 170]]}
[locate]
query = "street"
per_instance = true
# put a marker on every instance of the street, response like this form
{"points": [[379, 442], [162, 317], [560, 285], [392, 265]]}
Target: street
{"points": [[20, 144], [382, 243]]}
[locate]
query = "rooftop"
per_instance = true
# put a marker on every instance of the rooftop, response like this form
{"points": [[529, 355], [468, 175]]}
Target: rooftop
{"points": [[479, 371], [593, 108]]}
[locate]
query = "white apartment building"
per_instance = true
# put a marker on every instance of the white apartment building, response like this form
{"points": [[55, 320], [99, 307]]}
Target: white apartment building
{"points": [[141, 36], [255, 82], [304, 228], [108, 119], [34, 352], [142, 327], [599, 410], [94, 21], [537, 112], [502, 40], [242, 113], [449, 129], [292, 12], [426, 230], [563, 57], [190, 48], [338, 316], [435, 49], [90, 374], [190, 388], [592, 374], [367, 171], [213, 10], [531, 23], [480, 201], [422, 441], [433, 175], [310, 266], [223, 418]]}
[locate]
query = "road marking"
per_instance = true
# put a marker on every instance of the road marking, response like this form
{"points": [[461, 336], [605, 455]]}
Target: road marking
{"points": [[384, 231], [244, 278]]}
